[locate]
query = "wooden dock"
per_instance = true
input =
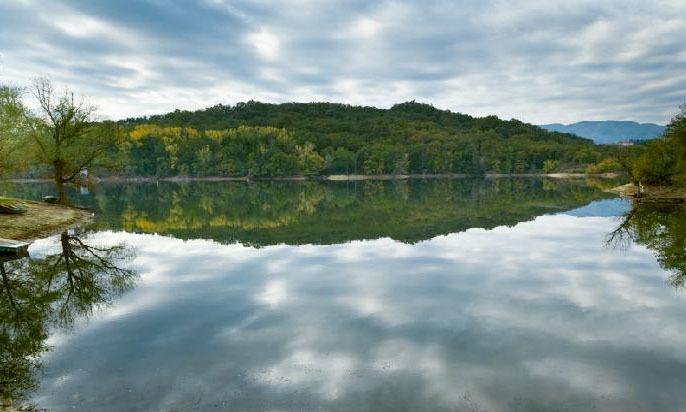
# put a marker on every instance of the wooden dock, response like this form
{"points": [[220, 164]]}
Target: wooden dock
{"points": [[8, 246]]}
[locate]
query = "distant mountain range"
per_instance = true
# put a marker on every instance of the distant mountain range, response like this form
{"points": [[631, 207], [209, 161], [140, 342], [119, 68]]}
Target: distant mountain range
{"points": [[610, 131]]}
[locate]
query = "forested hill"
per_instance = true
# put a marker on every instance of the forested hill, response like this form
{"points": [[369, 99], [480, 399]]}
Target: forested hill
{"points": [[260, 139], [404, 121], [610, 131]]}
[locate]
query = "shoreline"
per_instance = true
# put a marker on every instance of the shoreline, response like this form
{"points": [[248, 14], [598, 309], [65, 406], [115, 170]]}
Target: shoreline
{"points": [[41, 220], [335, 178], [650, 193]]}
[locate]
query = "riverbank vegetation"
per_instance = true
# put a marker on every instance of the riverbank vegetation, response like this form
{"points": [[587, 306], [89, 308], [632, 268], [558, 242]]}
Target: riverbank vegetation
{"points": [[663, 162]]}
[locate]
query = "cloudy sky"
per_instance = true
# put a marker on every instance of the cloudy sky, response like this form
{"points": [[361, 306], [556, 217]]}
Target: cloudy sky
{"points": [[539, 61]]}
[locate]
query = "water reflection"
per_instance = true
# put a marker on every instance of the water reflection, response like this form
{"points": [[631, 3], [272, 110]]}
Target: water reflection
{"points": [[661, 227], [538, 316], [444, 296], [269, 213], [68, 281], [23, 331]]}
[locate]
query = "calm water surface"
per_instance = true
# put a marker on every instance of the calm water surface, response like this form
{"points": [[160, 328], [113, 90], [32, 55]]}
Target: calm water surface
{"points": [[465, 295]]}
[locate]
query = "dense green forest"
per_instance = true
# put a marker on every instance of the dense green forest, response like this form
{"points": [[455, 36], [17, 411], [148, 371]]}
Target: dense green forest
{"points": [[271, 212], [268, 140], [260, 139]]}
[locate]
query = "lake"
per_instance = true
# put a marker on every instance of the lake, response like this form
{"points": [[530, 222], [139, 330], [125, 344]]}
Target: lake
{"points": [[444, 295]]}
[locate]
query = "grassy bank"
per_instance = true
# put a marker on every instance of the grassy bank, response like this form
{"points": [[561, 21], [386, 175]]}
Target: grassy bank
{"points": [[40, 219]]}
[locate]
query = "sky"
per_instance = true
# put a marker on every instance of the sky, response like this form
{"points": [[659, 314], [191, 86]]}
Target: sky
{"points": [[537, 61]]}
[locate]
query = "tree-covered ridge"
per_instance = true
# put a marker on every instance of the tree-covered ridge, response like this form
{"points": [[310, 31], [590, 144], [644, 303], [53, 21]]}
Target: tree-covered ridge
{"points": [[271, 212], [261, 139]]}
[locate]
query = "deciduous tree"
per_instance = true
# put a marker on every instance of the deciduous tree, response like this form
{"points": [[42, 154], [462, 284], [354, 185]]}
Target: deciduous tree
{"points": [[67, 138], [13, 127]]}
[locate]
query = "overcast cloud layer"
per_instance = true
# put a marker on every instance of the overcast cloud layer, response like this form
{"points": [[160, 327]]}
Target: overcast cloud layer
{"points": [[539, 61]]}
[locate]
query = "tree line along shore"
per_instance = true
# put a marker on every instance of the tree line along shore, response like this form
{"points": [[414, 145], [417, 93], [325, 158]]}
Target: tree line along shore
{"points": [[63, 139], [337, 178]]}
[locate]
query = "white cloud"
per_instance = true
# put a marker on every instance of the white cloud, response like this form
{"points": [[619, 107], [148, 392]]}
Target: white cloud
{"points": [[365, 28], [266, 44], [274, 293]]}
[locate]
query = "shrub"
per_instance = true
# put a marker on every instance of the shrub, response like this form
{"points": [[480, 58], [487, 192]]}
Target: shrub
{"points": [[549, 166], [606, 165], [655, 166]]}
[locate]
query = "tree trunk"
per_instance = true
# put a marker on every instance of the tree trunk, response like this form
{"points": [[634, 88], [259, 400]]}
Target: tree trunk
{"points": [[59, 182], [61, 195]]}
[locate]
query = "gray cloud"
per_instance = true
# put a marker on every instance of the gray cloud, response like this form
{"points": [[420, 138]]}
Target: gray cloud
{"points": [[537, 61]]}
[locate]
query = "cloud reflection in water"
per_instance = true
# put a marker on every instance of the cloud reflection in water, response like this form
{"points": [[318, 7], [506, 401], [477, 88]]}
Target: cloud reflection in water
{"points": [[539, 316]]}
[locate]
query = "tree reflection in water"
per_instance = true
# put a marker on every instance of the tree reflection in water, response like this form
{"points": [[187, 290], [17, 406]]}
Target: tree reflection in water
{"points": [[661, 227], [53, 290]]}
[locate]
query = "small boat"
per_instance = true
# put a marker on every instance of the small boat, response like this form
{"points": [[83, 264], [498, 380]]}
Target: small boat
{"points": [[11, 209]]}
